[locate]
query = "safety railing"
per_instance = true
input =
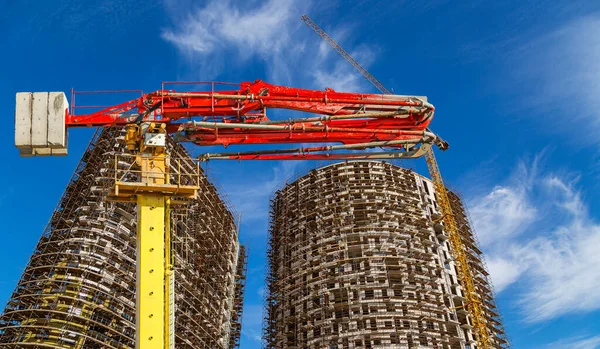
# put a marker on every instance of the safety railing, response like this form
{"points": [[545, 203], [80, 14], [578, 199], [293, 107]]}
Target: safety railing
{"points": [[127, 176]]}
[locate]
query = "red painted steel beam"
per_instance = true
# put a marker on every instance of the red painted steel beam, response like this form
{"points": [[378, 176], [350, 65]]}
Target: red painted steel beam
{"points": [[251, 97], [239, 116]]}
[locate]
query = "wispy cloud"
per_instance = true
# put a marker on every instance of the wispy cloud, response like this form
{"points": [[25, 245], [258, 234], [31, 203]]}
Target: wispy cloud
{"points": [[579, 342], [252, 323], [506, 211], [504, 271], [562, 277], [341, 76], [252, 199], [503, 213], [559, 73], [546, 243], [222, 34]]}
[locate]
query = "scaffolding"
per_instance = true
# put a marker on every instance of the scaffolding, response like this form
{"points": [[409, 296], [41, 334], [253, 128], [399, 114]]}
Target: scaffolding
{"points": [[477, 263], [238, 300], [358, 259], [78, 289]]}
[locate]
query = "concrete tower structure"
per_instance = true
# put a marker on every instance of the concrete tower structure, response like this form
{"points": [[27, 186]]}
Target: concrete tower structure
{"points": [[358, 259], [78, 290]]}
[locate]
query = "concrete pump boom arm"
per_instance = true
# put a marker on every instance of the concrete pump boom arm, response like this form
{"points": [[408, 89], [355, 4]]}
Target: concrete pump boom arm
{"points": [[239, 116]]}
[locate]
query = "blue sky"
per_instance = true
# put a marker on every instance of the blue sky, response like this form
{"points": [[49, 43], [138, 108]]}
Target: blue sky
{"points": [[516, 85]]}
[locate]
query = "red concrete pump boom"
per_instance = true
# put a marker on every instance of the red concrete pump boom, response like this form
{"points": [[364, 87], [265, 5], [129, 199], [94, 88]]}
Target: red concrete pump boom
{"points": [[357, 121]]}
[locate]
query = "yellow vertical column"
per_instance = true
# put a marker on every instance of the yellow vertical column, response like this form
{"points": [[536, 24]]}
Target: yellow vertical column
{"points": [[169, 326], [150, 315]]}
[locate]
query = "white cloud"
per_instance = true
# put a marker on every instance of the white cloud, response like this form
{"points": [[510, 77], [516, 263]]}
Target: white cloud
{"points": [[209, 35], [252, 199], [581, 342], [545, 242], [341, 77], [223, 33], [506, 211], [252, 322], [501, 214], [560, 73], [503, 271], [562, 273]]}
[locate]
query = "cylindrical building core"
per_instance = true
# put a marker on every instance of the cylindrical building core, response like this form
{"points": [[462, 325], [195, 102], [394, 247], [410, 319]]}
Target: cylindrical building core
{"points": [[357, 260]]}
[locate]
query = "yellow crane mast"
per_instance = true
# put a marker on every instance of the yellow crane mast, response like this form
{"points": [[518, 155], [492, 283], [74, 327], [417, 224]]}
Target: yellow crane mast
{"points": [[152, 193], [473, 303], [463, 270]]}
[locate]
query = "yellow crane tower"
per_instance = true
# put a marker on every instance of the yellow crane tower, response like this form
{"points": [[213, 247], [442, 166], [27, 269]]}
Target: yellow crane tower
{"points": [[152, 193], [473, 302]]}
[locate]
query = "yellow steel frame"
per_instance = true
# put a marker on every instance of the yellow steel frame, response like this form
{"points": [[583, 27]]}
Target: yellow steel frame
{"points": [[155, 280], [463, 269], [169, 304], [150, 303]]}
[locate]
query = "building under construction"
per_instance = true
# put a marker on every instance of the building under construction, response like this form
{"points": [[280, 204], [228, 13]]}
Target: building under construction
{"points": [[78, 290], [358, 258]]}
